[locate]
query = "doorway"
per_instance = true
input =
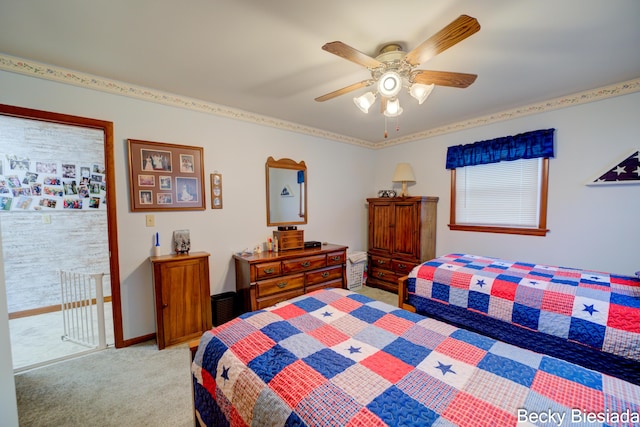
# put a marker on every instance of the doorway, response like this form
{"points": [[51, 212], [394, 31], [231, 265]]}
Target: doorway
{"points": [[57, 201]]}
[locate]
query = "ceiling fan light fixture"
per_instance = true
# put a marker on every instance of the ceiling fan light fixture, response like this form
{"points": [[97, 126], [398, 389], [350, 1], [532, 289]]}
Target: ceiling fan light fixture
{"points": [[393, 108], [420, 91], [364, 102], [390, 84]]}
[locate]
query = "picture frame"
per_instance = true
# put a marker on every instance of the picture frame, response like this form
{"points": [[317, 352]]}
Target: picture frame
{"points": [[216, 190], [165, 177]]}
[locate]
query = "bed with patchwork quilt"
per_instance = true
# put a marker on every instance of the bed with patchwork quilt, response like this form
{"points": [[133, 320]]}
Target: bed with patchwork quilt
{"points": [[337, 358], [586, 317]]}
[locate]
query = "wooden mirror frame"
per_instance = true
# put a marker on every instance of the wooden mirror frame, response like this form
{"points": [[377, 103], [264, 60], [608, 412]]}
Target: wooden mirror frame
{"points": [[288, 164]]}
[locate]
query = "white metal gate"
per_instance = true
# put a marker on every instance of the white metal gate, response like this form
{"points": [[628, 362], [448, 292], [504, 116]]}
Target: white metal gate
{"points": [[83, 308]]}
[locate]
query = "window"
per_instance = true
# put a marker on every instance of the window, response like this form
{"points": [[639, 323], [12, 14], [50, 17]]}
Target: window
{"points": [[505, 197], [501, 185]]}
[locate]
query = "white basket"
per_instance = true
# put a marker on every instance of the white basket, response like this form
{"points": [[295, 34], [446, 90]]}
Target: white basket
{"points": [[355, 274]]}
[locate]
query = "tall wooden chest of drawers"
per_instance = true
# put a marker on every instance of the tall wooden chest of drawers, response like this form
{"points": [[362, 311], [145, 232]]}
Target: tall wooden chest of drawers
{"points": [[267, 278], [402, 234]]}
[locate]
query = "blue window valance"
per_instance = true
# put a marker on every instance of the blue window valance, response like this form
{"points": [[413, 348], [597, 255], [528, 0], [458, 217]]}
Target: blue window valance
{"points": [[529, 145]]}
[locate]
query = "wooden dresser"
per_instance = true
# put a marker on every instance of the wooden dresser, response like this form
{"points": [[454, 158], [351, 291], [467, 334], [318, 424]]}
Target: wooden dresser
{"points": [[267, 278], [402, 234], [183, 297]]}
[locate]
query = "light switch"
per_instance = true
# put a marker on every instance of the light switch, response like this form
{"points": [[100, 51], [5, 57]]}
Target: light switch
{"points": [[150, 220]]}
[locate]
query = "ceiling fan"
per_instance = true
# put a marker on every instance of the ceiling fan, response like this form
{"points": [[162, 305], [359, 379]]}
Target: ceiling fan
{"points": [[394, 69]]}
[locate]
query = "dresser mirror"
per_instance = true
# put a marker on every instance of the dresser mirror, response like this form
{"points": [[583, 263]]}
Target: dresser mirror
{"points": [[286, 192]]}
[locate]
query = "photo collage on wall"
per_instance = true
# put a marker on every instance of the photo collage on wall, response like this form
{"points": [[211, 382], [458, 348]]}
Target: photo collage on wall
{"points": [[29, 184]]}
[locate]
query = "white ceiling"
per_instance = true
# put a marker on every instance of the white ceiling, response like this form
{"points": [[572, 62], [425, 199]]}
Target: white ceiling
{"points": [[265, 57]]}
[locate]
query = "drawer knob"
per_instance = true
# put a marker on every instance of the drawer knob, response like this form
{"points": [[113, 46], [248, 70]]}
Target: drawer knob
{"points": [[336, 258], [281, 285], [380, 261], [305, 263], [269, 270], [380, 274], [402, 266], [325, 274]]}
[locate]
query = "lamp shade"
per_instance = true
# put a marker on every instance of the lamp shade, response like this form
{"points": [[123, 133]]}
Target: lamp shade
{"points": [[420, 91], [403, 173], [364, 102]]}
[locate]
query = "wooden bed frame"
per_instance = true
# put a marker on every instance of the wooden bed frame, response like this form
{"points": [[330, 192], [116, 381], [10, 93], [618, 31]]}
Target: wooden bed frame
{"points": [[403, 295]]}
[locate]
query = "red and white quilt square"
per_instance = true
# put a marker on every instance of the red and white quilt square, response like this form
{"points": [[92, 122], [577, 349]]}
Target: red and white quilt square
{"points": [[328, 335], [295, 382], [394, 324], [287, 311], [251, 346], [387, 366], [461, 350], [361, 383]]}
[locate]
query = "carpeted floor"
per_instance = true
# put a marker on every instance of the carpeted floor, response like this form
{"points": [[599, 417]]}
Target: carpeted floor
{"points": [[133, 386]]}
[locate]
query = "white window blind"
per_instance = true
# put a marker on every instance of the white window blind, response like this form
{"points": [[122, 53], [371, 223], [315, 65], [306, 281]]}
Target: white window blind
{"points": [[505, 194]]}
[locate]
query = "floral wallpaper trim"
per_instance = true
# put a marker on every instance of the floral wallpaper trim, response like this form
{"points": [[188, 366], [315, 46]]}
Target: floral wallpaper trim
{"points": [[36, 69]]}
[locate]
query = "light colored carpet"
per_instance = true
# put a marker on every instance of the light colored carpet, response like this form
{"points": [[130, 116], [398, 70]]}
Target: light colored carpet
{"points": [[133, 386]]}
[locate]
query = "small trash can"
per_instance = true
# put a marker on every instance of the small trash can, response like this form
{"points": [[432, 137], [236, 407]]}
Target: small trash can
{"points": [[224, 307]]}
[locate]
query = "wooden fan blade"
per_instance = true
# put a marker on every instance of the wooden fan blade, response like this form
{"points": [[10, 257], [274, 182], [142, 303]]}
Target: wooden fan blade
{"points": [[443, 78], [458, 30], [344, 90], [347, 52]]}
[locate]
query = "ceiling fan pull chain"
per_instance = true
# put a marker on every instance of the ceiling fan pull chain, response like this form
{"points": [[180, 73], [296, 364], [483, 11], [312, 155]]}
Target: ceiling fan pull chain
{"points": [[385, 127]]}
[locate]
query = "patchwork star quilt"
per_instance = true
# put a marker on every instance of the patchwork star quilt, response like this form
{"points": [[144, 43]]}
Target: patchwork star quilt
{"points": [[599, 311], [338, 358]]}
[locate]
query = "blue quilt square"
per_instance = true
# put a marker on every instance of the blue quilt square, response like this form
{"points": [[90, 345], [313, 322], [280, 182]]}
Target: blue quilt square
{"points": [[625, 300], [407, 351], [279, 330], [586, 332], [440, 292], [270, 363], [508, 368], [459, 297], [510, 278], [472, 338], [361, 298], [408, 315], [571, 372], [396, 408], [566, 281], [214, 351], [479, 301], [328, 362], [309, 304], [525, 316], [411, 285], [367, 313]]}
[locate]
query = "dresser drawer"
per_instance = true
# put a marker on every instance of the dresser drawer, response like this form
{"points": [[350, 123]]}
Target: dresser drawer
{"points": [[402, 267], [267, 269], [330, 284], [273, 300], [303, 264], [384, 275], [335, 258], [323, 275], [380, 262], [279, 284]]}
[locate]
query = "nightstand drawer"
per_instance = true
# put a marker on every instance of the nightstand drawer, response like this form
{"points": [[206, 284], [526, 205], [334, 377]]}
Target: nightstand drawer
{"points": [[304, 264], [279, 284]]}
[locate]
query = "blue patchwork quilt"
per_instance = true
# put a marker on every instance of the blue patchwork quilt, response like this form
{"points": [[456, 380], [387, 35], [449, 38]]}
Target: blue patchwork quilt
{"points": [[338, 358], [583, 316]]}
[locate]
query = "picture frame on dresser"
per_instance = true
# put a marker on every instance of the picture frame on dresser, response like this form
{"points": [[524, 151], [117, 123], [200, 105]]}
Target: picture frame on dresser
{"points": [[165, 177]]}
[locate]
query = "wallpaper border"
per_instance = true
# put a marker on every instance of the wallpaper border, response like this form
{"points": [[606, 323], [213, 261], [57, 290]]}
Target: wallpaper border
{"points": [[48, 72]]}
